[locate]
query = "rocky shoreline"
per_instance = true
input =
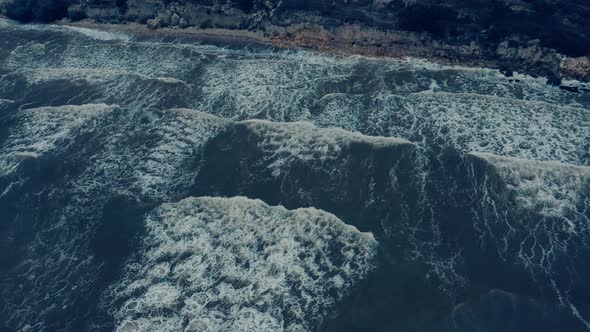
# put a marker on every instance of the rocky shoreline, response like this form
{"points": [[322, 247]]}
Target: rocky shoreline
{"points": [[452, 34]]}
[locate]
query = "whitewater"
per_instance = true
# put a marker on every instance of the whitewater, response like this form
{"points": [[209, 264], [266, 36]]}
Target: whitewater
{"points": [[150, 184]]}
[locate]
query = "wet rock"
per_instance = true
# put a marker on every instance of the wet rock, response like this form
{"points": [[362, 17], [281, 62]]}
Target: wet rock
{"points": [[154, 23], [76, 12], [142, 10], [576, 67], [165, 17], [175, 19]]}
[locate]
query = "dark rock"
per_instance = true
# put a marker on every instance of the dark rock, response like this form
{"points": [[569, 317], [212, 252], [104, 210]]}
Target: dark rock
{"points": [[175, 19], [154, 23], [76, 13], [37, 10], [578, 68], [142, 10], [570, 88]]}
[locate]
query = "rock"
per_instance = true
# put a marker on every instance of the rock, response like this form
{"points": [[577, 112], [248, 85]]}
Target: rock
{"points": [[380, 4], [142, 10], [76, 12], [3, 4], [504, 50], [578, 68], [175, 20], [532, 53], [165, 17], [154, 23]]}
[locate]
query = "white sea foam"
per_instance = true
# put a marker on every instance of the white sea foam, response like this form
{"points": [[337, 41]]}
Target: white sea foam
{"points": [[547, 218], [547, 225], [235, 264], [576, 84], [110, 73], [287, 84], [5, 23], [42, 130], [279, 86], [161, 150], [169, 167], [470, 109], [96, 76], [302, 141], [95, 33], [515, 128], [550, 188]]}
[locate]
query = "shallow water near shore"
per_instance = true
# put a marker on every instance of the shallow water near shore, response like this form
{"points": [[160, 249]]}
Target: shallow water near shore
{"points": [[154, 184]]}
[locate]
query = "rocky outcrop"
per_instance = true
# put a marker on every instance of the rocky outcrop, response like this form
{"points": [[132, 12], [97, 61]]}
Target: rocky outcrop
{"points": [[542, 37], [577, 67]]}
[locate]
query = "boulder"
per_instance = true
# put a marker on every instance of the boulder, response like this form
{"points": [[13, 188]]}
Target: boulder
{"points": [[154, 23], [142, 10], [175, 19], [576, 67]]}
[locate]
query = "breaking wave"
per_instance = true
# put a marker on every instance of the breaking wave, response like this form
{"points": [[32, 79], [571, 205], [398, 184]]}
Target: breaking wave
{"points": [[42, 130], [217, 264], [538, 217]]}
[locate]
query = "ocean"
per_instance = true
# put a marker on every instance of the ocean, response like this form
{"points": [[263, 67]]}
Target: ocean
{"points": [[151, 184]]}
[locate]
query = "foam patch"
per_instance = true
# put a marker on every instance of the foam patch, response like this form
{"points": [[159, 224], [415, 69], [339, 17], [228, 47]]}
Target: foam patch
{"points": [[284, 143], [235, 264], [42, 130], [552, 189], [469, 122]]}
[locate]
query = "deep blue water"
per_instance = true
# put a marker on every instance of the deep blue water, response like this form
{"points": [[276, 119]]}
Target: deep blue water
{"points": [[166, 185]]}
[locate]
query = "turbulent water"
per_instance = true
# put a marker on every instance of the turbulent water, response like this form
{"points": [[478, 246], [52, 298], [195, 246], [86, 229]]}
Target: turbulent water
{"points": [[166, 185]]}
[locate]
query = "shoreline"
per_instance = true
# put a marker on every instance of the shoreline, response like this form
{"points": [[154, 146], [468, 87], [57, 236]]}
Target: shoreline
{"points": [[213, 35], [322, 43], [312, 38], [308, 43], [551, 41]]}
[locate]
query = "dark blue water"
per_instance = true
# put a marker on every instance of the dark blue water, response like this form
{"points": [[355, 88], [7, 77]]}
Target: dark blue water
{"points": [[150, 185]]}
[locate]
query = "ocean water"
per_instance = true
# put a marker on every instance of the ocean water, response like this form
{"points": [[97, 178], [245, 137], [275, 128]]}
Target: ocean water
{"points": [[168, 185]]}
